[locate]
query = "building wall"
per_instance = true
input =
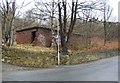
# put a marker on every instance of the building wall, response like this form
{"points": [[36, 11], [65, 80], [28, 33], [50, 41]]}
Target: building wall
{"points": [[43, 37], [24, 37]]}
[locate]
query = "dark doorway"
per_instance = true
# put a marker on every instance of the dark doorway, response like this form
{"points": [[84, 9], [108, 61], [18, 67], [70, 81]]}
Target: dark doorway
{"points": [[33, 36]]}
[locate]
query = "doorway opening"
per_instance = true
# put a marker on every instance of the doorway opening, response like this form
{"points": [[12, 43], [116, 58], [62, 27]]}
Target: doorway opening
{"points": [[33, 36]]}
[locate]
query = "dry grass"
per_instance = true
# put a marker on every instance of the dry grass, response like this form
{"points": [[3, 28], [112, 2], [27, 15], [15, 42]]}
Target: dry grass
{"points": [[31, 48], [29, 56], [98, 44], [35, 56]]}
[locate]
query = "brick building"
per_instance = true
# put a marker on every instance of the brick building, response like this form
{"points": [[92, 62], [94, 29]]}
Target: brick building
{"points": [[36, 35], [42, 37]]}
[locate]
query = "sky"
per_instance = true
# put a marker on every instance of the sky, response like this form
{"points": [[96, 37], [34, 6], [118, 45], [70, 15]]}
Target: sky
{"points": [[112, 3]]}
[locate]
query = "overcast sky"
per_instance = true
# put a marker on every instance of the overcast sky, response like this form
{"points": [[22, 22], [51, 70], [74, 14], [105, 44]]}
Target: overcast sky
{"points": [[113, 4]]}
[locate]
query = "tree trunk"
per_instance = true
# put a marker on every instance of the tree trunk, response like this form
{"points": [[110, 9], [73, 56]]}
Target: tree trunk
{"points": [[105, 33], [65, 49], [8, 24], [64, 35]]}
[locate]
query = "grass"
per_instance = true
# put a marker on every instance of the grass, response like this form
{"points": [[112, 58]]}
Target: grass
{"points": [[34, 56], [30, 56]]}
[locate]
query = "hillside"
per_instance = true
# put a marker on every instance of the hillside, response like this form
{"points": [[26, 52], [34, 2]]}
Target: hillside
{"points": [[96, 29]]}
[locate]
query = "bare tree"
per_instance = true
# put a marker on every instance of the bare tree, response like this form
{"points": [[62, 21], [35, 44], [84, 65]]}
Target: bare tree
{"points": [[107, 11], [65, 32], [8, 12], [47, 13], [87, 17], [86, 13], [76, 8]]}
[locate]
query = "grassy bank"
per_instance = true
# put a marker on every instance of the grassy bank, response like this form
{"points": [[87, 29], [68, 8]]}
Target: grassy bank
{"points": [[32, 56]]}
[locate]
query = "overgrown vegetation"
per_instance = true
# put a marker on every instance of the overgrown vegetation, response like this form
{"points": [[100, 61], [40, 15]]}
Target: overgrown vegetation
{"points": [[34, 56], [30, 56]]}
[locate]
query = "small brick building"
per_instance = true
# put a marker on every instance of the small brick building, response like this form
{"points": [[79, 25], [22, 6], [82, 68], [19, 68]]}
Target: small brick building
{"points": [[40, 36], [36, 35]]}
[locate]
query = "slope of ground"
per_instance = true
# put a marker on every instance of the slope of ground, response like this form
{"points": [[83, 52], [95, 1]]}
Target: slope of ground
{"points": [[98, 44]]}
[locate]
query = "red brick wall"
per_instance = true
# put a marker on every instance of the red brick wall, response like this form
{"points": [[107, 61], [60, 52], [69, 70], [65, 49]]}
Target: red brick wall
{"points": [[23, 37], [43, 37]]}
